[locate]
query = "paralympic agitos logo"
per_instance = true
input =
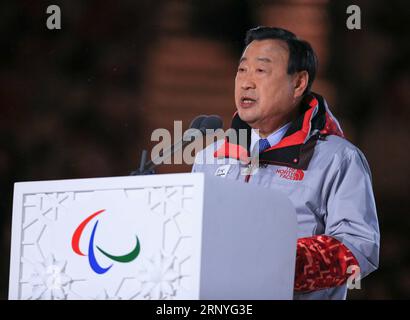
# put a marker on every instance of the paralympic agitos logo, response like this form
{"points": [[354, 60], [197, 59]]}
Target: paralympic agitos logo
{"points": [[95, 266]]}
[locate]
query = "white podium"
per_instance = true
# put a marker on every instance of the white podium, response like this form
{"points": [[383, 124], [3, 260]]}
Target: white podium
{"points": [[175, 236]]}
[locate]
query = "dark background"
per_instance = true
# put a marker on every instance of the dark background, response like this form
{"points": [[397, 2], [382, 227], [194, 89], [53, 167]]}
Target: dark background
{"points": [[82, 101]]}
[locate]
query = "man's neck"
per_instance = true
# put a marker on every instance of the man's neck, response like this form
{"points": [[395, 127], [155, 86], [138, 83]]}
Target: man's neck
{"points": [[271, 125], [265, 134], [265, 131]]}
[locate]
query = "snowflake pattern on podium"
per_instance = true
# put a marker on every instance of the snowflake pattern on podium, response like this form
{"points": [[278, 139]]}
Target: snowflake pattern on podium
{"points": [[43, 274]]}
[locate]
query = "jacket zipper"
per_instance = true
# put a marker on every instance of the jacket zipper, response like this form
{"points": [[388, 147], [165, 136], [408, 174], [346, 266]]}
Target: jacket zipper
{"points": [[248, 176]]}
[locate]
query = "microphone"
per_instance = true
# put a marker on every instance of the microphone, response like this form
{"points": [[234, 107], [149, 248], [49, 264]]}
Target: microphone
{"points": [[196, 123], [194, 127], [212, 122], [198, 127]]}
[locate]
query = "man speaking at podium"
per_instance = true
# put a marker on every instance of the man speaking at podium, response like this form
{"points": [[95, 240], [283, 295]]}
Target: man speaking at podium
{"points": [[303, 153]]}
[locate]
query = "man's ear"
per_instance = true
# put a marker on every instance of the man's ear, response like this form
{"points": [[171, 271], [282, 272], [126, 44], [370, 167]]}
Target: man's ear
{"points": [[301, 81]]}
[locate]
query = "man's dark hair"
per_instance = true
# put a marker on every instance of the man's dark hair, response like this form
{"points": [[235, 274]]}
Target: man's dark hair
{"points": [[301, 55]]}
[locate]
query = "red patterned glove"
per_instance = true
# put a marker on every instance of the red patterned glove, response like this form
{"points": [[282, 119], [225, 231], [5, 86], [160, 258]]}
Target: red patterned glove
{"points": [[321, 262]]}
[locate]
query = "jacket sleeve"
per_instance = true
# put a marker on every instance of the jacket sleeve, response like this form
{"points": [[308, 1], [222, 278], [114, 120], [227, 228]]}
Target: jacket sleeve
{"points": [[352, 232], [322, 262], [351, 211]]}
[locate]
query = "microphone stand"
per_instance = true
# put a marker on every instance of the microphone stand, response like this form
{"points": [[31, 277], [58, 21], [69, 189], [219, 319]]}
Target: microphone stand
{"points": [[146, 168], [199, 125]]}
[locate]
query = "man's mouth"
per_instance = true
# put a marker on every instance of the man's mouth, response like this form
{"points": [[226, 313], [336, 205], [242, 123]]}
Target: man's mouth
{"points": [[247, 102]]}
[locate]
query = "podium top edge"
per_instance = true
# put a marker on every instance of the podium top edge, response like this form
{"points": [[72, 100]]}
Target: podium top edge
{"points": [[113, 182]]}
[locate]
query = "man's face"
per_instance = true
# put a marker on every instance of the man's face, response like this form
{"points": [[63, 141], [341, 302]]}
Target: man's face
{"points": [[264, 91]]}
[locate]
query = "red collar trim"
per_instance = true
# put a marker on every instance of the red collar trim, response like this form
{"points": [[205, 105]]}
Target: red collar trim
{"points": [[230, 150], [331, 127], [299, 137]]}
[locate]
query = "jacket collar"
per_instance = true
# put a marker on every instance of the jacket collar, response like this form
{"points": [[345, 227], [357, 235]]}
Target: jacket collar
{"points": [[296, 148]]}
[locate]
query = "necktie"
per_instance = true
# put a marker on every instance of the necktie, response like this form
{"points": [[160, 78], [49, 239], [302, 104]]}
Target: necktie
{"points": [[263, 145]]}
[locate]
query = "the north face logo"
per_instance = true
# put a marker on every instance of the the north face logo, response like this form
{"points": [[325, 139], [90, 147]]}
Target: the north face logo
{"points": [[291, 174]]}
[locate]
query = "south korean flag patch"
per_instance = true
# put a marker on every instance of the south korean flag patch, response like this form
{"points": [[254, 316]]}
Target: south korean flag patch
{"points": [[222, 171]]}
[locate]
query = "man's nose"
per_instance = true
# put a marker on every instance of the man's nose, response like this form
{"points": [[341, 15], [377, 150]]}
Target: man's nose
{"points": [[248, 83]]}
